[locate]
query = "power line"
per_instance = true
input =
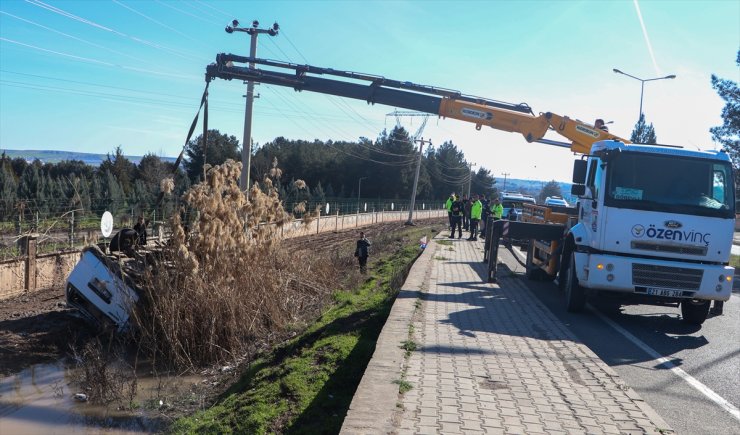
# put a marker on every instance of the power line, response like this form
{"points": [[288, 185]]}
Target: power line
{"points": [[71, 16], [84, 41], [159, 23], [188, 13], [95, 61]]}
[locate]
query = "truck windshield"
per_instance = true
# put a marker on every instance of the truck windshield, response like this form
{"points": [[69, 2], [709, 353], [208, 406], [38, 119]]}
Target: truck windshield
{"points": [[671, 184]]}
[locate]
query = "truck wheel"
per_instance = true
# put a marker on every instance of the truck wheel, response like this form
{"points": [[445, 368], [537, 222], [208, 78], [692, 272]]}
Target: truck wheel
{"points": [[563, 270], [575, 295], [532, 271], [694, 311]]}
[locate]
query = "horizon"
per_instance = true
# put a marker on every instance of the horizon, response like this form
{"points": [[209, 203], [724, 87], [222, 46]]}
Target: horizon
{"points": [[130, 73]]}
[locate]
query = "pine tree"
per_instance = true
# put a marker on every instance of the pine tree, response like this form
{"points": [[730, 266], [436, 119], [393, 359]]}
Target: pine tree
{"points": [[318, 193], [728, 134], [643, 133], [552, 188], [8, 188]]}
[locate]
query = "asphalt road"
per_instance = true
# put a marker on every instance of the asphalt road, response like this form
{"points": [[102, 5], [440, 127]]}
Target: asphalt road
{"points": [[630, 339]]}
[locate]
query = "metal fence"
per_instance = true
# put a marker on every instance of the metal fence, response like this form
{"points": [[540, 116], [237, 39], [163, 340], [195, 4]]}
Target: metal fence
{"points": [[60, 227]]}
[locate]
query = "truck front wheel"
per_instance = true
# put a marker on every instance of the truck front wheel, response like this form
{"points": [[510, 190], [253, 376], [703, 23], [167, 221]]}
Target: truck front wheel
{"points": [[575, 295], [694, 311]]}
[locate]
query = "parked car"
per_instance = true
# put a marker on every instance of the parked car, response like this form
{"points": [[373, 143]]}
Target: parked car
{"points": [[556, 201]]}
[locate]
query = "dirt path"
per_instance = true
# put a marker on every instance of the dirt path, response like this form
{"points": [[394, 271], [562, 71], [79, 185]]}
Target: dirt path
{"points": [[36, 328]]}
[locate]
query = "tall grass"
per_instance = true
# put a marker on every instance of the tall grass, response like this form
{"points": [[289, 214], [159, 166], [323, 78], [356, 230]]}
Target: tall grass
{"points": [[224, 287]]}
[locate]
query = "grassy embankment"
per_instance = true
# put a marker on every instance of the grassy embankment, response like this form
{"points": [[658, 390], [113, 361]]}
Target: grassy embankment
{"points": [[307, 384]]}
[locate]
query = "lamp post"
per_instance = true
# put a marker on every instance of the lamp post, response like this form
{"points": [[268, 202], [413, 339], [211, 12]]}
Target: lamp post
{"points": [[359, 189], [642, 84]]}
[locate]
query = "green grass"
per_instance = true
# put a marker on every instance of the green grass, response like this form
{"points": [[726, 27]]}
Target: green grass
{"points": [[444, 242], [306, 385], [409, 346], [403, 386], [441, 258]]}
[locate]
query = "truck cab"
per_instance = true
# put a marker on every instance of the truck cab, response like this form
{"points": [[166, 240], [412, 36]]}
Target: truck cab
{"points": [[655, 222]]}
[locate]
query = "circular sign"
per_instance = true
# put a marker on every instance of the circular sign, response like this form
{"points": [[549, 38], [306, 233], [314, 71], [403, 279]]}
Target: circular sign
{"points": [[106, 224], [365, 206], [327, 208], [392, 206]]}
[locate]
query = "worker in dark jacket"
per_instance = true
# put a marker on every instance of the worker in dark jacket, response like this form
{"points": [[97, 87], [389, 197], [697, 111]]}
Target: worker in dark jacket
{"points": [[362, 251], [457, 213], [140, 229], [466, 212]]}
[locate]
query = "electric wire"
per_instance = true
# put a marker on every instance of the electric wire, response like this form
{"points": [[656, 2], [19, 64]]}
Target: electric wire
{"points": [[405, 162], [199, 10], [159, 23], [96, 61], [334, 100], [187, 13], [71, 16], [84, 41], [213, 8]]}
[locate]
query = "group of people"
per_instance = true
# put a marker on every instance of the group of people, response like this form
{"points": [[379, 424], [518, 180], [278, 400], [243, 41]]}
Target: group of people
{"points": [[468, 213]]}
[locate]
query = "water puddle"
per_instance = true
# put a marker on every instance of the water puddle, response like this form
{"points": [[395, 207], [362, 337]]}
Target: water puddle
{"points": [[40, 400]]}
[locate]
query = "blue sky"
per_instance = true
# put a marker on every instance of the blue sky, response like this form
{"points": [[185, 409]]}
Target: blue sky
{"points": [[91, 75]]}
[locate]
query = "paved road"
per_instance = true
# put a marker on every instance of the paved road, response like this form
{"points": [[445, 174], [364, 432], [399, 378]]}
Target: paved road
{"points": [[488, 358], [710, 354]]}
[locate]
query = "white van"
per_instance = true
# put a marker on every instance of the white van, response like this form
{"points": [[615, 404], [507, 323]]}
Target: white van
{"points": [[100, 290]]}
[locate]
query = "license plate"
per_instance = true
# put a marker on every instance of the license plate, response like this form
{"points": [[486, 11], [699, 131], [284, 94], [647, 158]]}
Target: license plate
{"points": [[664, 292]]}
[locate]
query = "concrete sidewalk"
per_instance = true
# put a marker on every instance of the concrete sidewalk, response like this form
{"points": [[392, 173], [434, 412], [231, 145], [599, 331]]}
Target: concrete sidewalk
{"points": [[488, 358]]}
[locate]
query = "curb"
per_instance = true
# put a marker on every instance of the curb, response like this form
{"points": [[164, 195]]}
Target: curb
{"points": [[374, 404]]}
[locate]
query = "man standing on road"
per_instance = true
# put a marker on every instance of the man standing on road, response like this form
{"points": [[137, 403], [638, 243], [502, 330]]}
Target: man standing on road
{"points": [[362, 251], [466, 212], [497, 210], [448, 206], [476, 210], [484, 215], [457, 212]]}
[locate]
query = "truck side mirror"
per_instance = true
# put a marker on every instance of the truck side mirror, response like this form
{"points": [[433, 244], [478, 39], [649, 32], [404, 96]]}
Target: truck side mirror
{"points": [[579, 172], [578, 189]]}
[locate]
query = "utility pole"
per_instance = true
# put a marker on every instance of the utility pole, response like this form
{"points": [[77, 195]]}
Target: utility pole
{"points": [[470, 176], [421, 143], [505, 174], [247, 143]]}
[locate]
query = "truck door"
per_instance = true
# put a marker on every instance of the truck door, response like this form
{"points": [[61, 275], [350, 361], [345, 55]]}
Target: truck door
{"points": [[590, 210]]}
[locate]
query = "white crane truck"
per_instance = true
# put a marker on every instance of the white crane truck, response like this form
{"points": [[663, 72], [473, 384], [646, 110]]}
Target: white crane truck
{"points": [[652, 222]]}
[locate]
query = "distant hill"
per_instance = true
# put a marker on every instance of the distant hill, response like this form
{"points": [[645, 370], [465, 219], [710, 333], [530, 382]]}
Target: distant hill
{"points": [[50, 156]]}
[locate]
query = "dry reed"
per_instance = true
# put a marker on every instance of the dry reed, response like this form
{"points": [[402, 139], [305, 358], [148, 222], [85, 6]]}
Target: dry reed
{"points": [[224, 286]]}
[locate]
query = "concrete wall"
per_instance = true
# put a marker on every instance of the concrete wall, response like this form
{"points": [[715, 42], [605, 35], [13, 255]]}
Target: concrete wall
{"points": [[12, 277], [51, 270]]}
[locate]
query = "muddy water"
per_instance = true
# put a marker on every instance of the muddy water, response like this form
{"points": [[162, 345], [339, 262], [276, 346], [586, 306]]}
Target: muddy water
{"points": [[40, 400]]}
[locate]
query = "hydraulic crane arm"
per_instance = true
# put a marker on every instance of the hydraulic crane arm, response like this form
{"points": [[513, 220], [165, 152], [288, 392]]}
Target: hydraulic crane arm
{"points": [[517, 118]]}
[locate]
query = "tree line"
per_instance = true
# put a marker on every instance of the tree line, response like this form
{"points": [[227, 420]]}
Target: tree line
{"points": [[383, 169]]}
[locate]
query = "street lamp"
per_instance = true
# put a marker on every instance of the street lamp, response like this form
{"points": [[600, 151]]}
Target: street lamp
{"points": [[642, 85], [359, 189]]}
